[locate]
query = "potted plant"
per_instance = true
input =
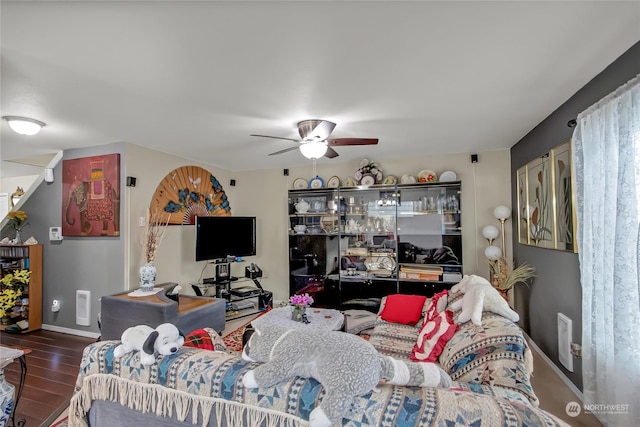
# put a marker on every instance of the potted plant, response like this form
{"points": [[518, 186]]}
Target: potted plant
{"points": [[504, 276], [17, 221], [11, 286]]}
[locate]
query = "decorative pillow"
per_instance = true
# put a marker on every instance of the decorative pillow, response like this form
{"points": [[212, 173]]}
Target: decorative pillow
{"points": [[357, 321], [436, 305], [405, 309], [205, 338], [433, 336]]}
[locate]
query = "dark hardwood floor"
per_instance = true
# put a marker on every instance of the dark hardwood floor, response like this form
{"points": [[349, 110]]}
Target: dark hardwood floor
{"points": [[52, 369]]}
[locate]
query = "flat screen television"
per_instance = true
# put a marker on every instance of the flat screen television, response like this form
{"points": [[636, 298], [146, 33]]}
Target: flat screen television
{"points": [[221, 236]]}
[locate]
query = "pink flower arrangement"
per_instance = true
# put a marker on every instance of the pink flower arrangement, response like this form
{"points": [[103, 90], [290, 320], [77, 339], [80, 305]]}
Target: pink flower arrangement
{"points": [[301, 301]]}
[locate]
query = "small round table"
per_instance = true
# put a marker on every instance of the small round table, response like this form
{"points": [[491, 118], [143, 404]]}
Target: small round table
{"points": [[7, 403], [320, 319]]}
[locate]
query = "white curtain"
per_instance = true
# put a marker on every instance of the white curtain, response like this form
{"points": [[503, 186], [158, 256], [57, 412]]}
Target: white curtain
{"points": [[606, 155]]}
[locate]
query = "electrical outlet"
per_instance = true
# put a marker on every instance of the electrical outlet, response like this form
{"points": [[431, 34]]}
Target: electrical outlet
{"points": [[141, 221], [576, 350]]}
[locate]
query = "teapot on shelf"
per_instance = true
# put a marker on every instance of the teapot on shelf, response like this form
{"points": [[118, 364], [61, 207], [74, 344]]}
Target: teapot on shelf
{"points": [[352, 226], [302, 206]]}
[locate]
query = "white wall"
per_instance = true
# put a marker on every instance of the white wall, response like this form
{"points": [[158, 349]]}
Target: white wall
{"points": [[9, 185]]}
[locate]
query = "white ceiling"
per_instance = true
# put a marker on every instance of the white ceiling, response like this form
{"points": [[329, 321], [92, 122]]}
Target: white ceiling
{"points": [[196, 78]]}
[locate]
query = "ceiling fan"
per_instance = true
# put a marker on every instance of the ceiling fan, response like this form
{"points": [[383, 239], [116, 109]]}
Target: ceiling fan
{"points": [[314, 140]]}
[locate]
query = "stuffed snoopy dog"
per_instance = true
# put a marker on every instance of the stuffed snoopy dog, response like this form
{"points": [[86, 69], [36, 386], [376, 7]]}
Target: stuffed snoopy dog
{"points": [[346, 365], [165, 340]]}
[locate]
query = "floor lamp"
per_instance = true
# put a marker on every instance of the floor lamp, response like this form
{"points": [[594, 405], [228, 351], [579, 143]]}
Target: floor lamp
{"points": [[494, 253]]}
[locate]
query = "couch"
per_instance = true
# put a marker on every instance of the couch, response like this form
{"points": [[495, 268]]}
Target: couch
{"points": [[490, 365], [120, 311]]}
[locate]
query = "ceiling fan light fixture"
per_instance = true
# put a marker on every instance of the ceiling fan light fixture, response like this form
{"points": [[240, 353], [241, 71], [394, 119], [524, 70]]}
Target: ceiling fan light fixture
{"points": [[313, 149], [24, 125]]}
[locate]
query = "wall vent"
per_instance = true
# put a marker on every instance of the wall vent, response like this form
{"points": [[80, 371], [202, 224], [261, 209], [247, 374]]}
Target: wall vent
{"points": [[83, 308], [565, 336]]}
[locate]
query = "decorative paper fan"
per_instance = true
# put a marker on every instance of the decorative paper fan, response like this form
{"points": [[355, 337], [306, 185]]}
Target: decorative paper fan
{"points": [[187, 192]]}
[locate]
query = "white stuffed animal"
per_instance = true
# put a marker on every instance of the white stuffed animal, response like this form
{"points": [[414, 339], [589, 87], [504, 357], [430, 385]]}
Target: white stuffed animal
{"points": [[345, 364], [166, 339], [479, 296]]}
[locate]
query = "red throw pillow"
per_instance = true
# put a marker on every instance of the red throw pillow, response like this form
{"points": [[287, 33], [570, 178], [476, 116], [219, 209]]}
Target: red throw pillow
{"points": [[433, 336], [405, 309], [436, 305]]}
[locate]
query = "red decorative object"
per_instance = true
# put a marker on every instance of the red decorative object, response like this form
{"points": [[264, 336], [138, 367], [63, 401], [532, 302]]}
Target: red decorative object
{"points": [[405, 309], [91, 196], [433, 336]]}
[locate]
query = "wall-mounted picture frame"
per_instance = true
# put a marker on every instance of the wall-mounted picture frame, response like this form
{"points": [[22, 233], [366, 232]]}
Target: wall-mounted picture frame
{"points": [[91, 196], [563, 190], [546, 202], [523, 209]]}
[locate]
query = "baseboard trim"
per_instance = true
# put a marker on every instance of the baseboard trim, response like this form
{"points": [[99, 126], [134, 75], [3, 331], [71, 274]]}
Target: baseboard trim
{"points": [[70, 331], [555, 369]]}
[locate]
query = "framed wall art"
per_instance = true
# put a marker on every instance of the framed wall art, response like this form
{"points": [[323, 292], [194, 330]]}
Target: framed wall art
{"points": [[546, 207], [187, 192], [91, 196]]}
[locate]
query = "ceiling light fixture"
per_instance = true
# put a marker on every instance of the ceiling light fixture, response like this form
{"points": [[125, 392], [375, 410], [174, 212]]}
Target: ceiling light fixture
{"points": [[313, 149], [24, 125]]}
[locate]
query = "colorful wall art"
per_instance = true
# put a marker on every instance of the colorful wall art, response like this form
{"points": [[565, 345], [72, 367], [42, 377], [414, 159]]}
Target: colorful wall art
{"points": [[187, 192], [91, 196]]}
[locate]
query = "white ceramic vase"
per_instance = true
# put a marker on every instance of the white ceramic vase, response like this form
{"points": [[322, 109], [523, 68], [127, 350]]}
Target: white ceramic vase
{"points": [[147, 277]]}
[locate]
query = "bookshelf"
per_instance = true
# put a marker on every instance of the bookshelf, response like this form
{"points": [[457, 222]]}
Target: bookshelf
{"points": [[27, 313]]}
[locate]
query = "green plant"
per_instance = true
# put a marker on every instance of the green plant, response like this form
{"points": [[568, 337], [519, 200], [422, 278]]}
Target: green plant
{"points": [[11, 289]]}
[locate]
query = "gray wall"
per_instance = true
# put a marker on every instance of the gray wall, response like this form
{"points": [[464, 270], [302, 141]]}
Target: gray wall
{"points": [[95, 264], [556, 288]]}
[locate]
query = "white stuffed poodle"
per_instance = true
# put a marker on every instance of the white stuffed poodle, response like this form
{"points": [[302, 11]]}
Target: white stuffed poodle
{"points": [[479, 296], [166, 339], [345, 364]]}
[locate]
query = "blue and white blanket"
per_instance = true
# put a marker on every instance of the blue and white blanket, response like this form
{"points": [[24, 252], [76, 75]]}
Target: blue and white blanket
{"points": [[205, 387]]}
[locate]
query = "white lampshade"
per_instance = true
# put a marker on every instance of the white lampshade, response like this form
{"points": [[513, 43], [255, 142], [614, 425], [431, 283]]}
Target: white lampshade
{"points": [[493, 252], [313, 149], [490, 232], [24, 125], [502, 212]]}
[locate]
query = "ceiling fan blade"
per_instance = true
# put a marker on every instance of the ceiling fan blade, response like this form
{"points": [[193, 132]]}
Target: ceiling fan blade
{"points": [[285, 150], [276, 137], [331, 153], [352, 141]]}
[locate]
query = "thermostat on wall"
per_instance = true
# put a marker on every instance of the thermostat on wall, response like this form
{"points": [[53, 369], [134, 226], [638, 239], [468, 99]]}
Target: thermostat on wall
{"points": [[55, 233]]}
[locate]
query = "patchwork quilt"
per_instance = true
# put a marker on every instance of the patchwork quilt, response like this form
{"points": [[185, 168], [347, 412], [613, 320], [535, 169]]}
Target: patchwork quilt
{"points": [[203, 387]]}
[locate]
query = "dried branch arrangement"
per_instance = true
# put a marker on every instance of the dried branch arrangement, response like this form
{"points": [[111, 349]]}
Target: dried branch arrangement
{"points": [[154, 233]]}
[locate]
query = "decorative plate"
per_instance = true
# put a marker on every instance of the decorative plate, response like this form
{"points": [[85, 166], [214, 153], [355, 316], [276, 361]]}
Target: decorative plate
{"points": [[367, 179], [316, 182], [334, 182], [380, 265], [427, 175], [448, 176], [390, 180], [408, 179], [350, 182], [300, 184]]}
